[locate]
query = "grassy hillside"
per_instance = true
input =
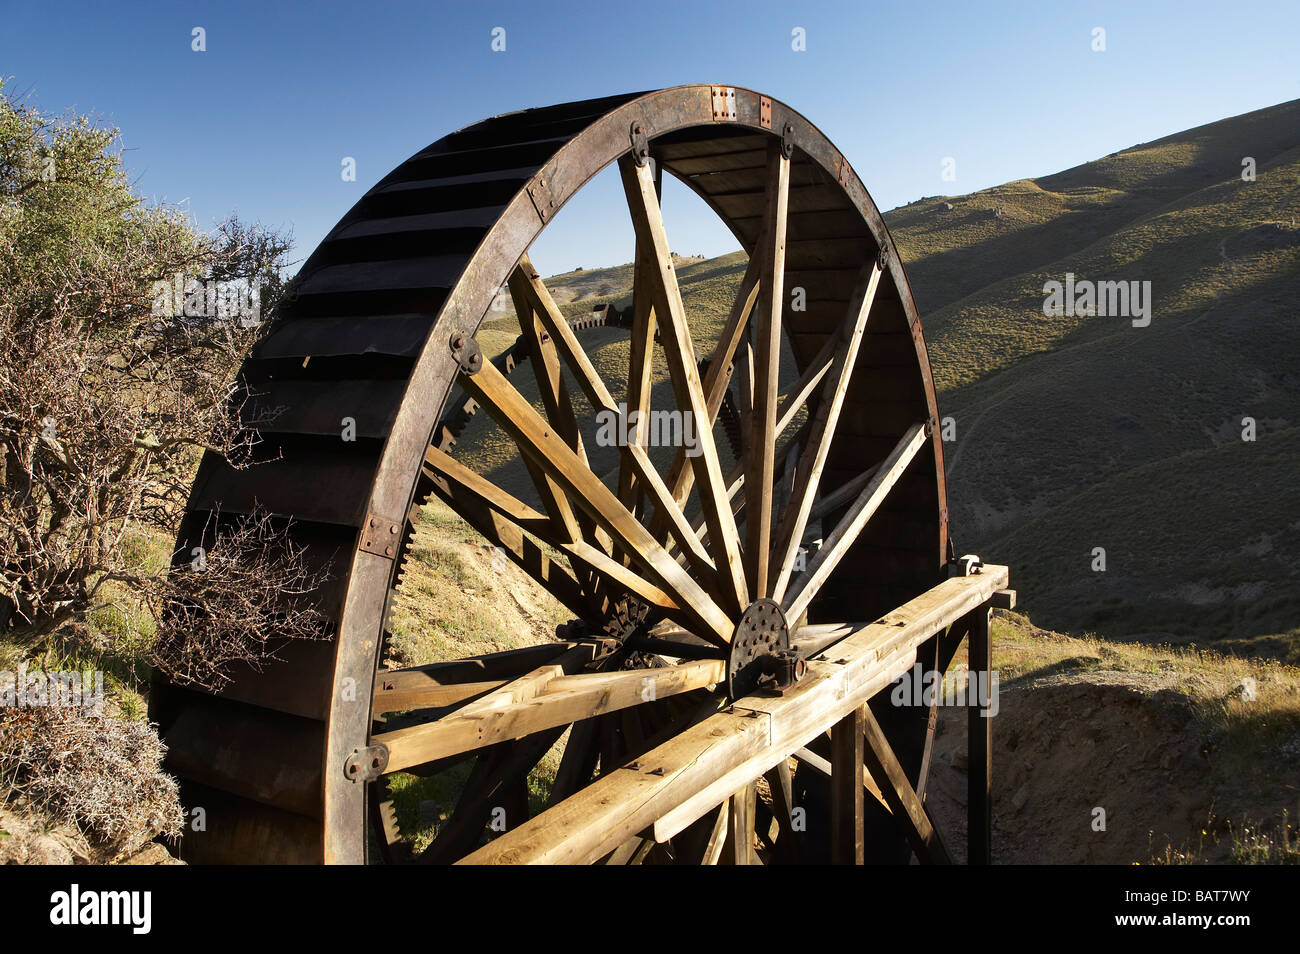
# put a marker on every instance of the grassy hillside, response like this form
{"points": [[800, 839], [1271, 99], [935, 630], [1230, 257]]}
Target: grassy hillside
{"points": [[1083, 432]]}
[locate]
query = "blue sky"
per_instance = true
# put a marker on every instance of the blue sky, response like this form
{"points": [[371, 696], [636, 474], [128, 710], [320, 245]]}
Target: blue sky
{"points": [[260, 122]]}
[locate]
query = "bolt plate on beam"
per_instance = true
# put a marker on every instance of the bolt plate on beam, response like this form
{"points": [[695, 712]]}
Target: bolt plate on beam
{"points": [[765, 112], [724, 103], [381, 536]]}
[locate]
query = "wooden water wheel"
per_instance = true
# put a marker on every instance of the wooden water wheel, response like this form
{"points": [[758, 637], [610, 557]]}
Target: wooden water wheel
{"points": [[737, 609]]}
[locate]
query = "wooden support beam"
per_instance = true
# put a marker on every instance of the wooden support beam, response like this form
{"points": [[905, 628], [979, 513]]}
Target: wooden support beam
{"points": [[979, 802], [399, 691], [677, 782], [903, 802], [740, 842], [542, 700], [847, 839]]}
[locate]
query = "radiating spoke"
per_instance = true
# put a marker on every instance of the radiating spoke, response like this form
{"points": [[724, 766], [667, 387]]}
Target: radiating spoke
{"points": [[509, 517], [761, 443], [503, 525], [640, 373], [716, 378], [679, 353], [813, 461], [806, 587], [598, 394], [640, 359], [538, 441]]}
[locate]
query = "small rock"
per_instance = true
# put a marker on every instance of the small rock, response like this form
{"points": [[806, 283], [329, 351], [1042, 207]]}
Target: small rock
{"points": [[1021, 798], [152, 854]]}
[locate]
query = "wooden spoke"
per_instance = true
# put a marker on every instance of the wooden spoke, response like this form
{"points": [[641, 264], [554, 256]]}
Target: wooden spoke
{"points": [[577, 764], [503, 524], [903, 801], [790, 405], [516, 415], [640, 372], [823, 765], [679, 353], [555, 401], [760, 448], [822, 431], [780, 781], [841, 495], [806, 586], [716, 378], [640, 360], [509, 517], [736, 482], [745, 390], [544, 699], [601, 399]]}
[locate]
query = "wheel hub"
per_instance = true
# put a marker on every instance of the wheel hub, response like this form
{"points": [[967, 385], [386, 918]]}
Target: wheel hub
{"points": [[762, 632]]}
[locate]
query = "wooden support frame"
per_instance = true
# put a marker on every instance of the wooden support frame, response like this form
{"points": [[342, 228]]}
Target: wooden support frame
{"points": [[903, 802], [677, 782], [979, 801], [544, 699], [848, 845]]}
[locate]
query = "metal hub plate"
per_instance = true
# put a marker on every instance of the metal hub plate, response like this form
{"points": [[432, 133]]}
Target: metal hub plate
{"points": [[762, 631]]}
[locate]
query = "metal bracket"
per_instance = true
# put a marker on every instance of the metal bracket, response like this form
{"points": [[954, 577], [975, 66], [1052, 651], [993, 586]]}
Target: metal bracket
{"points": [[724, 103], [366, 765], [467, 353], [844, 173], [787, 140], [543, 198], [765, 112], [640, 145], [381, 536]]}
